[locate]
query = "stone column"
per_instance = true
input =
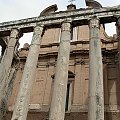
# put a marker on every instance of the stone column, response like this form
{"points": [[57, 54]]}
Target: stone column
{"points": [[57, 109], [118, 37], [5, 68], [96, 100], [22, 103]]}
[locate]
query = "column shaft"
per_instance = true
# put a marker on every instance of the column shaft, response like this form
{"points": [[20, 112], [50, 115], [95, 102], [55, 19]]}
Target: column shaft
{"points": [[118, 37], [57, 109], [5, 66], [96, 101], [22, 103]]}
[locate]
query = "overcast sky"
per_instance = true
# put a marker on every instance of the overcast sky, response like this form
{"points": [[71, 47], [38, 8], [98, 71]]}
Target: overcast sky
{"points": [[21, 9]]}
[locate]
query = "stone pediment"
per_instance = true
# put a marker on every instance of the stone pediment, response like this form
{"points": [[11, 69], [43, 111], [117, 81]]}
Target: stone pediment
{"points": [[93, 4], [48, 10]]}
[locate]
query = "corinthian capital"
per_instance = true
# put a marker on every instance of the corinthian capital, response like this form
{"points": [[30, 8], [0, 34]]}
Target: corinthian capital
{"points": [[66, 25], [94, 22]]}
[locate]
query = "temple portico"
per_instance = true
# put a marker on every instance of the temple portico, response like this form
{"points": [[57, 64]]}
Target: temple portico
{"points": [[69, 71]]}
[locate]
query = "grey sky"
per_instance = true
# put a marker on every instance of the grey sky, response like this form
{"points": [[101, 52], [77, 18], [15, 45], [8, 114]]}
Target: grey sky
{"points": [[21, 9]]}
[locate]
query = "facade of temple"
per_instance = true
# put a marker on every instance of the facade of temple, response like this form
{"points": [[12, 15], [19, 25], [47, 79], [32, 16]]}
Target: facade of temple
{"points": [[69, 71]]}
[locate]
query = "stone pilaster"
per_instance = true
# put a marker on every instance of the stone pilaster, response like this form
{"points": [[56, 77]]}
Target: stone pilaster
{"points": [[78, 98], [57, 108], [22, 103], [96, 100], [5, 68]]}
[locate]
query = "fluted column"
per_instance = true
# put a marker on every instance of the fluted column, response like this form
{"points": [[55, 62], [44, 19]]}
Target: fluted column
{"points": [[57, 108], [22, 103], [5, 67], [96, 100]]}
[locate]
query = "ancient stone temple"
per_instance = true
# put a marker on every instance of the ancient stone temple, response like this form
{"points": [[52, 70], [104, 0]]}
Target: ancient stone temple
{"points": [[71, 69]]}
